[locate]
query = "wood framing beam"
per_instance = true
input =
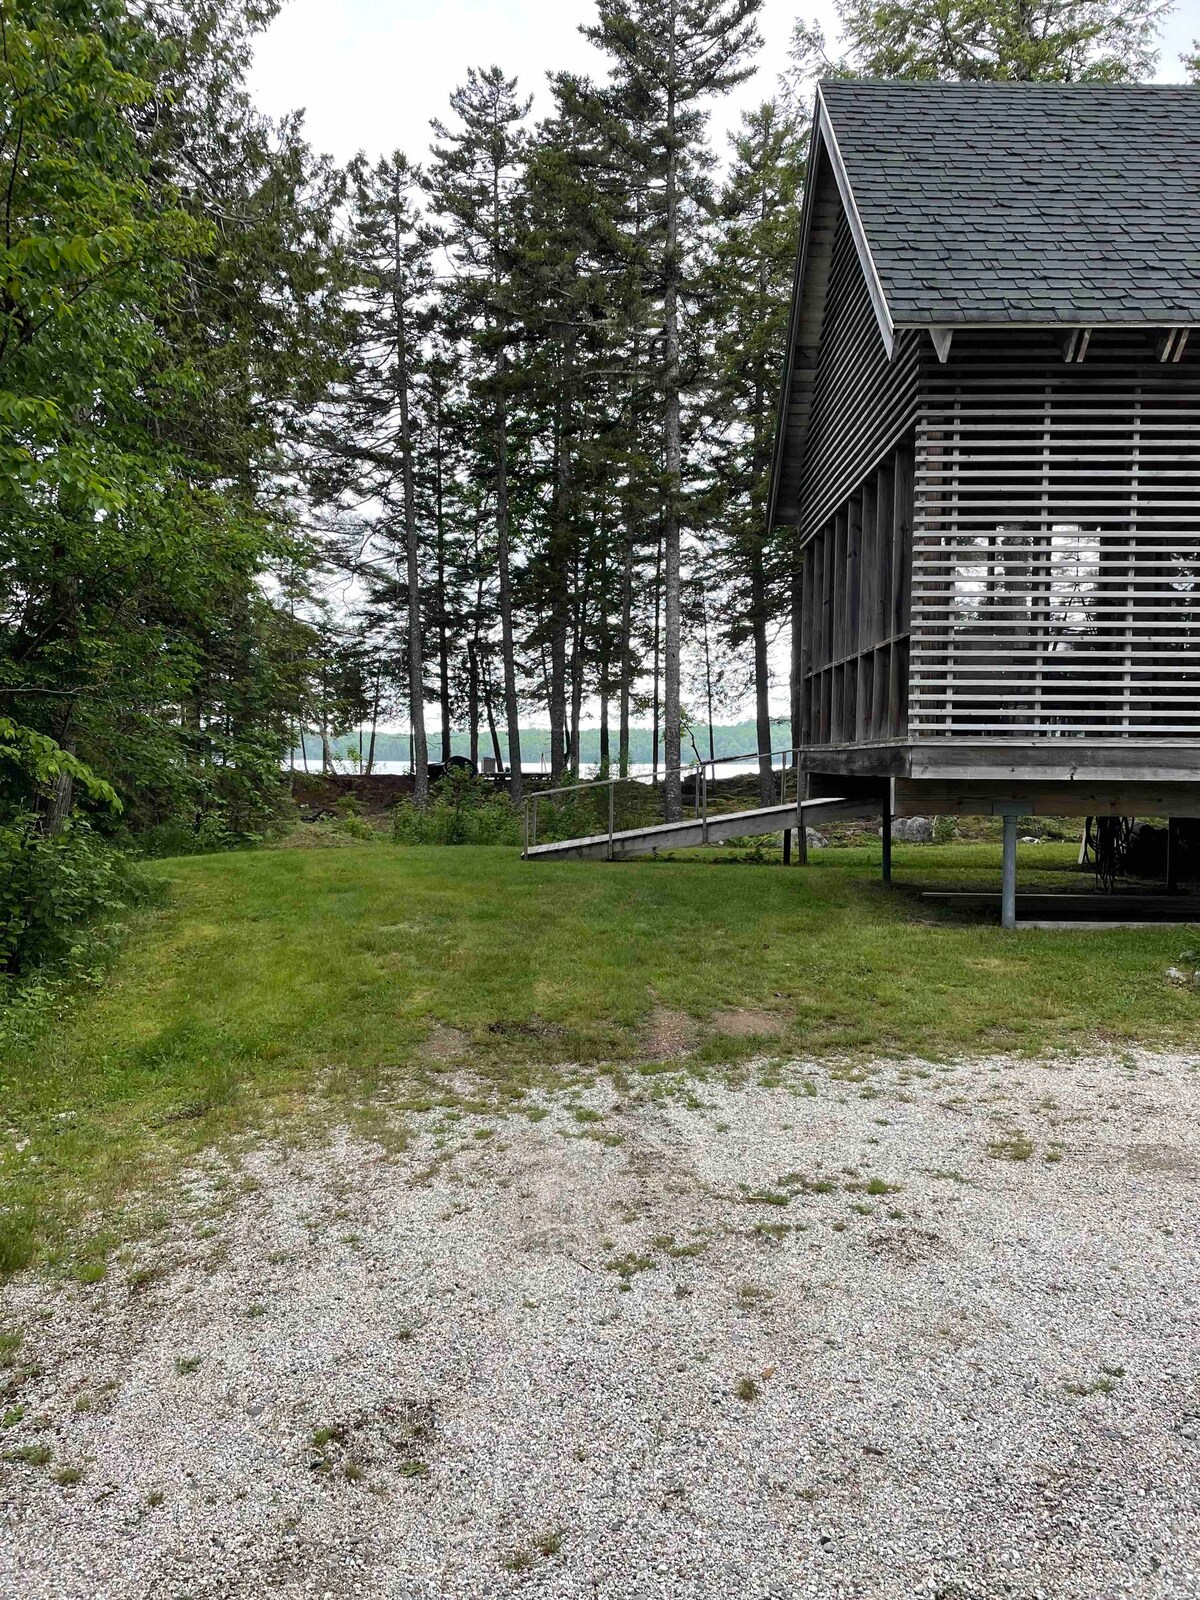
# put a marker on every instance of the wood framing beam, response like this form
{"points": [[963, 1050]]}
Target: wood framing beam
{"points": [[1076, 344], [942, 340], [1172, 344]]}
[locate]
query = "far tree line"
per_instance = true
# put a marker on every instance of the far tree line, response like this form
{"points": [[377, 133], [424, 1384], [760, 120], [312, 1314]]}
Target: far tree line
{"points": [[463, 442]]}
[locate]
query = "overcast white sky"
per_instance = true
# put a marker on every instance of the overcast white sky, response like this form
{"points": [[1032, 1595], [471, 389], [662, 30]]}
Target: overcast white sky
{"points": [[371, 73]]}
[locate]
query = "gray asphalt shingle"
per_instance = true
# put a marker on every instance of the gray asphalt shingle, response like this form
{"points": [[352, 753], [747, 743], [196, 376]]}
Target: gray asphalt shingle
{"points": [[1038, 202]]}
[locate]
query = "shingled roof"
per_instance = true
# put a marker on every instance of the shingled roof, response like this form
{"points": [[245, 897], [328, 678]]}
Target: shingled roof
{"points": [[1030, 203]]}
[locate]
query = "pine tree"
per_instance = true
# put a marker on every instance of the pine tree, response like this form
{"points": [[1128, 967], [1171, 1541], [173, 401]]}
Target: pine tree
{"points": [[746, 299], [475, 166], [374, 430], [1060, 41], [669, 57]]}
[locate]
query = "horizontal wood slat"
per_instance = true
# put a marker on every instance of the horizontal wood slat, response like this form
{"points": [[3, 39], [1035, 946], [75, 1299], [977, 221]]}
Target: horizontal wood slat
{"points": [[1056, 546]]}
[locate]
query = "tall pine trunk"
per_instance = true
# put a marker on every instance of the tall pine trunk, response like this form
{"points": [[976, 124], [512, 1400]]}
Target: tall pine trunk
{"points": [[626, 657], [762, 684], [672, 789], [418, 749]]}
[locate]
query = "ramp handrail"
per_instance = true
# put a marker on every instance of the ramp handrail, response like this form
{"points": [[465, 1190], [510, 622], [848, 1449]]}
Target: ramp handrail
{"points": [[697, 770]]}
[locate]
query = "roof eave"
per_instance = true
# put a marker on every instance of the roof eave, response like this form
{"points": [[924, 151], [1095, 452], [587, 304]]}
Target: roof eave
{"points": [[883, 316]]}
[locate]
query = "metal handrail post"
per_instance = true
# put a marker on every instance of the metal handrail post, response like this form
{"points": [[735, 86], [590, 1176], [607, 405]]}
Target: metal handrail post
{"points": [[535, 801], [704, 823], [612, 798]]}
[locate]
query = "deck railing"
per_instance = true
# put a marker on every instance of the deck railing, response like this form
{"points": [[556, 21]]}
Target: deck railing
{"points": [[694, 772]]}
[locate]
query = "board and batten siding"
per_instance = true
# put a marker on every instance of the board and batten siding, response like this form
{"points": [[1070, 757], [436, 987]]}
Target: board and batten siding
{"points": [[1056, 541]]}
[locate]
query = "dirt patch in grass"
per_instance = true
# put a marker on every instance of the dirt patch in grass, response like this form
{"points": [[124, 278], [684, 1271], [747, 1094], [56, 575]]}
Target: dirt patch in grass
{"points": [[670, 1034], [446, 1043], [744, 1023]]}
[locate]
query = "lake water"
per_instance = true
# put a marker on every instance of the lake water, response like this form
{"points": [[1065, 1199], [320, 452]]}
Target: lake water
{"points": [[726, 769]]}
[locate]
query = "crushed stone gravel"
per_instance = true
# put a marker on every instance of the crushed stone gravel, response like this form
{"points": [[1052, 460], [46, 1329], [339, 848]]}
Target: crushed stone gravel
{"points": [[913, 1330]]}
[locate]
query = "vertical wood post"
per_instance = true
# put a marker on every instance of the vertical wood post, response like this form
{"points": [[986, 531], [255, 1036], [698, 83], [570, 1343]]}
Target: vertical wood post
{"points": [[885, 833], [787, 847], [801, 825], [1172, 855], [1008, 879]]}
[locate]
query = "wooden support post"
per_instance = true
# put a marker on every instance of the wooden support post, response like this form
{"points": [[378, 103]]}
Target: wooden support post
{"points": [[886, 835], [801, 828], [787, 847], [1008, 881], [1172, 855]]}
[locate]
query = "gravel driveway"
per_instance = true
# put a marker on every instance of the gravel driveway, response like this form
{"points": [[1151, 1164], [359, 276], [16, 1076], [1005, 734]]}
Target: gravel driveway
{"points": [[923, 1331]]}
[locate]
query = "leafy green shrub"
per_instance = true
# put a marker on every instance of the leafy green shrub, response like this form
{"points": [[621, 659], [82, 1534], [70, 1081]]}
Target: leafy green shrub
{"points": [[54, 890], [462, 809]]}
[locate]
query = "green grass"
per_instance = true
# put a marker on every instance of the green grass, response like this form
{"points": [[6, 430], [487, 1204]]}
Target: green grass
{"points": [[269, 974]]}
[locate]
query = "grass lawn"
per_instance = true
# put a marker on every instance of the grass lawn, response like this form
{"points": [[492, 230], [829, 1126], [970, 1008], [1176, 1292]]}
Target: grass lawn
{"points": [[341, 981]]}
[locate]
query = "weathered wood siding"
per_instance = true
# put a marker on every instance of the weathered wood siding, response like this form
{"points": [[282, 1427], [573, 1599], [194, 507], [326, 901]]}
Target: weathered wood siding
{"points": [[862, 402], [1056, 541], [853, 663]]}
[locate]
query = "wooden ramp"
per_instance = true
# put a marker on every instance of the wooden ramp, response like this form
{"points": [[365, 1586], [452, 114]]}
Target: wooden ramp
{"points": [[626, 842]]}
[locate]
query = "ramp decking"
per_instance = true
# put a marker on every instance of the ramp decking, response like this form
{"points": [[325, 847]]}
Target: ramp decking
{"points": [[627, 842]]}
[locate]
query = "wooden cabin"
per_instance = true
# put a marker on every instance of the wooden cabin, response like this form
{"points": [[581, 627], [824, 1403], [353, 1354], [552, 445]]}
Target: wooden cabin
{"points": [[988, 456]]}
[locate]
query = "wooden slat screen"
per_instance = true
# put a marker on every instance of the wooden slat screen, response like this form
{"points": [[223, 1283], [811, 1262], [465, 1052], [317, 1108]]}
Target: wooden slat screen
{"points": [[1056, 542], [862, 403], [853, 662]]}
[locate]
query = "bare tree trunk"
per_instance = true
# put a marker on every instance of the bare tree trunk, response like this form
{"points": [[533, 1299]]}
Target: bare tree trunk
{"points": [[658, 561], [443, 640], [581, 625], [762, 686], [673, 793], [512, 711], [374, 722], [60, 802], [626, 657], [412, 543], [473, 701], [491, 719]]}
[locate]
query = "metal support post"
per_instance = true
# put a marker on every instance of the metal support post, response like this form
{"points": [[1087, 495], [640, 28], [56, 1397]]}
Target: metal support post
{"points": [[612, 795]]}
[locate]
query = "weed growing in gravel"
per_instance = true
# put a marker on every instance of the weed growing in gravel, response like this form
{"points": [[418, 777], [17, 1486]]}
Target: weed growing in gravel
{"points": [[155, 1498], [33, 1455], [800, 1183], [65, 1477], [752, 1295], [669, 1245], [880, 1186], [776, 1232], [413, 1469], [1013, 1146], [1104, 1384], [10, 1346], [185, 1365], [746, 1389], [628, 1266], [354, 1472]]}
